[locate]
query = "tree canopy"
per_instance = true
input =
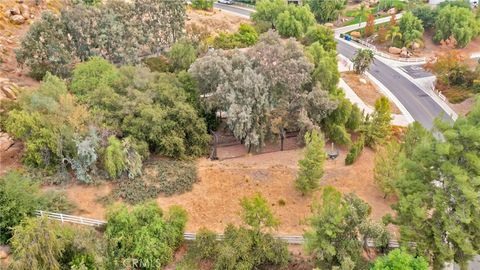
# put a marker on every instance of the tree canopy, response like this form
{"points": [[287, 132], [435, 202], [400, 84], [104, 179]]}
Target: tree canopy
{"points": [[438, 205], [458, 22]]}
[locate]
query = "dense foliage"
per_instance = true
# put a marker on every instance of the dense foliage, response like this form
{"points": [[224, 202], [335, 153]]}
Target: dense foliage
{"points": [[326, 10], [20, 196], [289, 20], [265, 91], [401, 260], [150, 107], [386, 167], [245, 36], [49, 120], [412, 30], [118, 31], [458, 22], [143, 235], [39, 243], [438, 205], [339, 229], [311, 166]]}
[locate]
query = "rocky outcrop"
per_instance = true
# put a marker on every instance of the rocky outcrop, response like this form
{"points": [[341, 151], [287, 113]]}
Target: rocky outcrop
{"points": [[8, 89], [18, 14]]}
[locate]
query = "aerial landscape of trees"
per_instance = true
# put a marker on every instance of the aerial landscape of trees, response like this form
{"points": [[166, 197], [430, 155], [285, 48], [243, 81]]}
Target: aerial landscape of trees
{"points": [[125, 97]]}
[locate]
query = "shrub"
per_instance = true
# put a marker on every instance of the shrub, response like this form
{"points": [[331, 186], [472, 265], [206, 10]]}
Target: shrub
{"points": [[114, 158], [205, 245], [412, 29], [202, 4], [426, 14], [144, 233], [355, 151], [288, 26], [20, 196], [246, 36], [182, 54]]}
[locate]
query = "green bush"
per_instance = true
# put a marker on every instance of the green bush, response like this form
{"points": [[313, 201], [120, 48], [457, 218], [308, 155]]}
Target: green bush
{"points": [[355, 151], [205, 245], [182, 54], [202, 4], [426, 14], [245, 37], [20, 196], [143, 233]]}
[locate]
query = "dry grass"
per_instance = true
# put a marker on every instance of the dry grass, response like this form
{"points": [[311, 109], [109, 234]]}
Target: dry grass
{"points": [[369, 93]]}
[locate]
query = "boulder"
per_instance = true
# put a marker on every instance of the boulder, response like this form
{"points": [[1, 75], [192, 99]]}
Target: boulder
{"points": [[12, 11], [17, 19], [363, 81], [416, 45], [9, 93], [394, 50], [392, 11], [25, 11], [329, 25], [5, 143], [4, 252], [356, 34], [404, 54]]}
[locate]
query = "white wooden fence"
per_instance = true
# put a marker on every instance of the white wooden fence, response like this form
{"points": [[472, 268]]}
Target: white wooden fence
{"points": [[290, 239]]}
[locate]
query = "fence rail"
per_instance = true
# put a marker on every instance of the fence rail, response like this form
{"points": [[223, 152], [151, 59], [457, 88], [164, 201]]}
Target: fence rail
{"points": [[290, 239]]}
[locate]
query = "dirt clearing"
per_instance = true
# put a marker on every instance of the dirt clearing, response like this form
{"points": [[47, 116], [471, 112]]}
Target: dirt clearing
{"points": [[368, 92], [214, 201]]}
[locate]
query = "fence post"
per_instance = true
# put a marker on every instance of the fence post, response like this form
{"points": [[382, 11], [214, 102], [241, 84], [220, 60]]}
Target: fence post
{"points": [[61, 217]]}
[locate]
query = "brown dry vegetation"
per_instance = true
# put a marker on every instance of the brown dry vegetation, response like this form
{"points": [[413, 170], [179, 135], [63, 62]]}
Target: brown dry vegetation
{"points": [[215, 21], [369, 93], [214, 201]]}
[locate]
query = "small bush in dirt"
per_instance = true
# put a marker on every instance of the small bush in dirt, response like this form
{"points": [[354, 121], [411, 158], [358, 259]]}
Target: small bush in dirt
{"points": [[282, 202], [355, 151], [246, 36]]}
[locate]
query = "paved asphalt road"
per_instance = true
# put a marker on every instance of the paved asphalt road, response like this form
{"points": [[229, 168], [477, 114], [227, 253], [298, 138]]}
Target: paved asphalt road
{"points": [[233, 9], [419, 104], [416, 71]]}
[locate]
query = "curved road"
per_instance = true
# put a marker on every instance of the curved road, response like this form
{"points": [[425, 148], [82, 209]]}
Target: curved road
{"points": [[418, 103]]}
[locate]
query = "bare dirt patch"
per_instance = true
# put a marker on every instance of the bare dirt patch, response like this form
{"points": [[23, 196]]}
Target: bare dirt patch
{"points": [[464, 107], [216, 21], [214, 201], [369, 92]]}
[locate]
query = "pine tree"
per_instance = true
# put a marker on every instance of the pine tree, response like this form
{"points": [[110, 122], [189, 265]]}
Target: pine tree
{"points": [[311, 166], [386, 163], [377, 126], [438, 189]]}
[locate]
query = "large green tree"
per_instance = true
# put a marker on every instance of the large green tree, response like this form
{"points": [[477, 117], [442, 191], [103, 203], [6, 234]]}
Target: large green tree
{"points": [[339, 229], [438, 189], [458, 22], [386, 167]]}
